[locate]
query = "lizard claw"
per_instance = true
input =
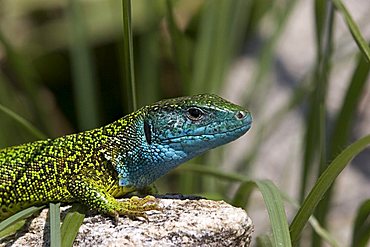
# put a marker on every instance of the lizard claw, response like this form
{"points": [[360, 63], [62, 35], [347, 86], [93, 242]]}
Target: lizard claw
{"points": [[137, 207]]}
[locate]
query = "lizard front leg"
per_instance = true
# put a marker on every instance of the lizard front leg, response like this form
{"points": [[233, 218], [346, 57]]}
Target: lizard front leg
{"points": [[92, 194]]}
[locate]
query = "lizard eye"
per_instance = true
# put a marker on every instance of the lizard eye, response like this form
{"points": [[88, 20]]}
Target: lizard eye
{"points": [[194, 113]]}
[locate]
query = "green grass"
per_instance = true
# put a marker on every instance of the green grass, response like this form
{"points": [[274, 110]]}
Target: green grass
{"points": [[361, 227], [84, 82], [104, 67], [323, 183]]}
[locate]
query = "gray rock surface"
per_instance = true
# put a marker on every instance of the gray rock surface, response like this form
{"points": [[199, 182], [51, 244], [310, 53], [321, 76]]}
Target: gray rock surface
{"points": [[182, 223]]}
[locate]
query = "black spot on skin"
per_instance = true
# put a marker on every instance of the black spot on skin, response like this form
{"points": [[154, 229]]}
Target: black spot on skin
{"points": [[148, 132]]}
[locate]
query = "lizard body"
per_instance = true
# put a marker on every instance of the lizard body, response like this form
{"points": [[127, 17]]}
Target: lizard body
{"points": [[94, 167]]}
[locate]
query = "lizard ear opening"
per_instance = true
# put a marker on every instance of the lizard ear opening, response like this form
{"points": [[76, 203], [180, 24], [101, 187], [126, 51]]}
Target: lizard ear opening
{"points": [[148, 132]]}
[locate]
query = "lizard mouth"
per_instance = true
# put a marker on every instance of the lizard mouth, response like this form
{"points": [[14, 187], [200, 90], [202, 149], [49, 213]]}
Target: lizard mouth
{"points": [[242, 129]]}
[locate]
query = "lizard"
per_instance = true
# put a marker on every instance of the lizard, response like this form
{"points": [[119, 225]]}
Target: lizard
{"points": [[97, 166]]}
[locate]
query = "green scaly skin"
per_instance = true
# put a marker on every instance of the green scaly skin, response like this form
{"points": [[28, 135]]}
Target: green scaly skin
{"points": [[95, 167]]}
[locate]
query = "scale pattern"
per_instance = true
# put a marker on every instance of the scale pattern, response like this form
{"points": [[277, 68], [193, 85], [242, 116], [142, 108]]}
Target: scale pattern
{"points": [[97, 166]]}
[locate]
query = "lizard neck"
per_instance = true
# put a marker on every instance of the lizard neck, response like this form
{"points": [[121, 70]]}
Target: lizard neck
{"points": [[146, 164], [137, 162]]}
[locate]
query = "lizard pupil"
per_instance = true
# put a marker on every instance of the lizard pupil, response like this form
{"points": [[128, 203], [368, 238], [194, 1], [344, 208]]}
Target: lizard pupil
{"points": [[148, 132], [195, 113]]}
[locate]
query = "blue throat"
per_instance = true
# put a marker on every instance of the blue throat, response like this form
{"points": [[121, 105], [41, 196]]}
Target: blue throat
{"points": [[145, 164], [149, 163]]}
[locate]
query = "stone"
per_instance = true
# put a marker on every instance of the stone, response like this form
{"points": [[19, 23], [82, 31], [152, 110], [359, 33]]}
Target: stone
{"points": [[181, 223]]}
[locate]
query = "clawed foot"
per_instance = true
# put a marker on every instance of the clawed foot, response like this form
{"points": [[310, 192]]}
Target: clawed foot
{"points": [[136, 207]]}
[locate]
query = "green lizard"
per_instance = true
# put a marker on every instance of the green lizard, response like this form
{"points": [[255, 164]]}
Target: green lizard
{"points": [[95, 167]]}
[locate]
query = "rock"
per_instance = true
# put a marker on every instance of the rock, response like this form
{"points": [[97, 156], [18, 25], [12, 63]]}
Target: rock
{"points": [[181, 223]]}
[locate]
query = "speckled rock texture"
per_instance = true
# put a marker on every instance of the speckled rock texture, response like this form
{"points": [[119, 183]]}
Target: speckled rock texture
{"points": [[181, 223]]}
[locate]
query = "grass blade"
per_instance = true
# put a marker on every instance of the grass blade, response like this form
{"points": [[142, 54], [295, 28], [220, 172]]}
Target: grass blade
{"points": [[12, 229], [276, 211], [26, 76], [322, 232], [71, 225], [264, 241], [361, 227], [203, 47], [323, 184], [267, 53], [82, 67], [241, 197], [315, 149], [147, 81], [212, 171], [319, 230], [23, 122], [340, 136], [221, 27], [355, 31], [128, 55], [54, 215], [345, 118], [180, 45], [18, 216], [316, 119]]}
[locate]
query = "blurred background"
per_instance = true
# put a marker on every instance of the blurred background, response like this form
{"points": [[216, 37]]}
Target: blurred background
{"points": [[293, 63]]}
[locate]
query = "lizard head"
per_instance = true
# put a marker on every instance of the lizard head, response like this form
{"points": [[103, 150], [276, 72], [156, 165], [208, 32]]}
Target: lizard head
{"points": [[195, 124], [175, 130]]}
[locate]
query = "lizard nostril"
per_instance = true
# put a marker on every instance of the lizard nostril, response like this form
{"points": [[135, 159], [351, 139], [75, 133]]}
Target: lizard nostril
{"points": [[240, 115]]}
